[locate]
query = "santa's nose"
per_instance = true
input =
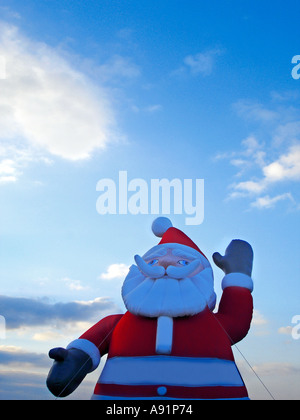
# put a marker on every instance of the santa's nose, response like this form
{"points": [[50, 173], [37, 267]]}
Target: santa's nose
{"points": [[167, 261]]}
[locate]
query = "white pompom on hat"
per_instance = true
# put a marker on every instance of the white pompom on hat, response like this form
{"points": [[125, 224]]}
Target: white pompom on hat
{"points": [[160, 226]]}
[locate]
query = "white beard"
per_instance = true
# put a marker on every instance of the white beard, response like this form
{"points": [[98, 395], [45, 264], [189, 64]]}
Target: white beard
{"points": [[167, 296]]}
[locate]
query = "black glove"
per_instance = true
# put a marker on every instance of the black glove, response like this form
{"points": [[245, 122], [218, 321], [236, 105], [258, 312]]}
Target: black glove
{"points": [[69, 369], [238, 258]]}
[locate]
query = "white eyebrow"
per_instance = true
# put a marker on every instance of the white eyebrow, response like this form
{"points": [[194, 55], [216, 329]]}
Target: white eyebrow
{"points": [[153, 253], [183, 254]]}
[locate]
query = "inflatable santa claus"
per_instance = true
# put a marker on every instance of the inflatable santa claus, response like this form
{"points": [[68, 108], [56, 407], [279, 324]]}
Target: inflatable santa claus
{"points": [[169, 344]]}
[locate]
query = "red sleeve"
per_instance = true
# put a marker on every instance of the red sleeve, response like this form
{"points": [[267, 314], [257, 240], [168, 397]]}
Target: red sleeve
{"points": [[100, 333], [235, 312]]}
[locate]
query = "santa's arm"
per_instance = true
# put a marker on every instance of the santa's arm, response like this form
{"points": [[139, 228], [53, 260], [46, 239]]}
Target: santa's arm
{"points": [[235, 312], [236, 306], [95, 341], [81, 357]]}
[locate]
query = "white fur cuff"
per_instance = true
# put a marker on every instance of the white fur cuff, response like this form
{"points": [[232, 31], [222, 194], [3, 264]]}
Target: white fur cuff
{"points": [[238, 280], [89, 348]]}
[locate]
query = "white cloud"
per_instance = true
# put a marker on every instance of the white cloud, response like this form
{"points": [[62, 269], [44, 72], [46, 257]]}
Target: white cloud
{"points": [[14, 157], [8, 171], [46, 104], [202, 63], [7, 167], [286, 167], [269, 158], [254, 187], [115, 271], [289, 131], [268, 202], [251, 154], [150, 109], [118, 68], [285, 330], [255, 111], [73, 284], [254, 150], [153, 108], [6, 179], [258, 318]]}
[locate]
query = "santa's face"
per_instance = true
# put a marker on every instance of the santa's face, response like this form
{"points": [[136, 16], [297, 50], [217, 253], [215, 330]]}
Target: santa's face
{"points": [[171, 259], [169, 280]]}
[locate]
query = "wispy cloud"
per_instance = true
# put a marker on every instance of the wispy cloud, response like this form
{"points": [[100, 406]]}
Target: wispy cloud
{"points": [[73, 284], [285, 168], [285, 330], [268, 202], [277, 368], [115, 271], [202, 63], [269, 157], [118, 68], [258, 318], [255, 111], [150, 109]]}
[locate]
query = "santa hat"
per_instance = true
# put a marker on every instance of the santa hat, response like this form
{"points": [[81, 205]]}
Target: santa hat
{"points": [[162, 227]]}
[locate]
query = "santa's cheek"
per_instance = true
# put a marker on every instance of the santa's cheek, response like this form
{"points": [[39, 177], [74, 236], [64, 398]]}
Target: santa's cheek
{"points": [[197, 271]]}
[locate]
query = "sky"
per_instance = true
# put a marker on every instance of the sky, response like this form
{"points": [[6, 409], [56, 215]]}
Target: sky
{"points": [[103, 98]]}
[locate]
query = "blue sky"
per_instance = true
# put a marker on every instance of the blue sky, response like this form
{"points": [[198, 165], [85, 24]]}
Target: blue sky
{"points": [[169, 89]]}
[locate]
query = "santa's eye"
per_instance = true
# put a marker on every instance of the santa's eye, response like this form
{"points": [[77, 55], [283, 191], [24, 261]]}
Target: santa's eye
{"points": [[152, 262], [183, 262]]}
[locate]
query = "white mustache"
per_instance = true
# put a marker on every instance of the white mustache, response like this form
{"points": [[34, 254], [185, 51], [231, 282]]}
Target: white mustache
{"points": [[149, 271], [181, 272], [158, 271]]}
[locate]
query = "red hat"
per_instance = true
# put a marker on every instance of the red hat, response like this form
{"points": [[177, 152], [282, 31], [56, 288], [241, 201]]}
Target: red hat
{"points": [[162, 227]]}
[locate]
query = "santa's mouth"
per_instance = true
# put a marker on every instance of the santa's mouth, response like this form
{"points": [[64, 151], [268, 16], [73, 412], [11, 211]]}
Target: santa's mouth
{"points": [[166, 277]]}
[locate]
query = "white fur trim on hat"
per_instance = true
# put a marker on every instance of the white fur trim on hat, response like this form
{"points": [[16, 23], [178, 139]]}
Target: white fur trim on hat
{"points": [[160, 226]]}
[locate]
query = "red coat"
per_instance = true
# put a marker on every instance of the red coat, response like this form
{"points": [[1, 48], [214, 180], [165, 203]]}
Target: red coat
{"points": [[199, 365]]}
